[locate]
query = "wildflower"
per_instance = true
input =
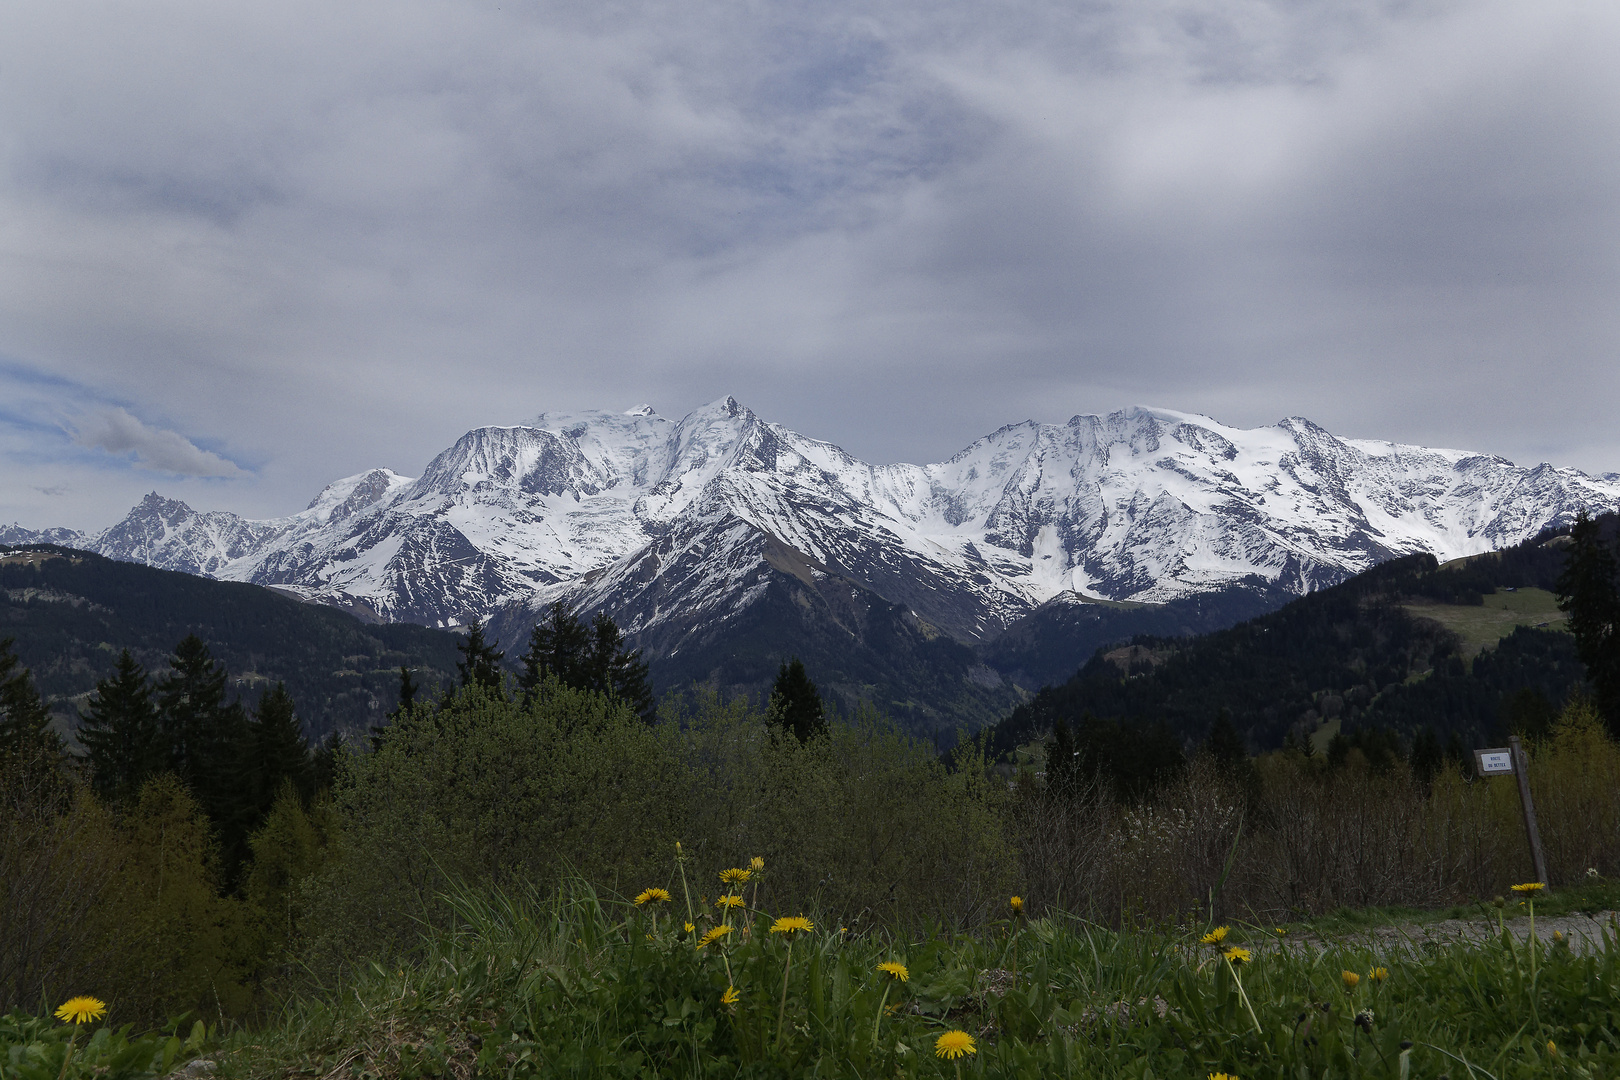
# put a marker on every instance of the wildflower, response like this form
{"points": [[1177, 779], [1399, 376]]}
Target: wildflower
{"points": [[1592, 872], [690, 928], [1222, 1076], [756, 864], [729, 902], [1378, 974], [1364, 1020], [895, 971], [1351, 980], [713, 936], [730, 996], [79, 1009], [1214, 937], [734, 875], [1235, 955], [1552, 1048], [1281, 931], [1017, 905], [1558, 935], [791, 925], [954, 1044], [647, 896], [1529, 887]]}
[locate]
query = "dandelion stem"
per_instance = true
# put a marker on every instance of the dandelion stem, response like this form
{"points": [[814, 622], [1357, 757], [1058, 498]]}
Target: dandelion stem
{"points": [[781, 1012], [888, 984], [69, 1057], [680, 864], [1245, 996]]}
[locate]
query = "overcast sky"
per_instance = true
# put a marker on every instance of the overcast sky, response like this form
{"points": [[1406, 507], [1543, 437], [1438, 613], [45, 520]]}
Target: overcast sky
{"points": [[248, 248]]}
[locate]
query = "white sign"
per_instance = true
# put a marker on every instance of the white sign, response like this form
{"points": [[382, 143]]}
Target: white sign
{"points": [[1494, 762]]}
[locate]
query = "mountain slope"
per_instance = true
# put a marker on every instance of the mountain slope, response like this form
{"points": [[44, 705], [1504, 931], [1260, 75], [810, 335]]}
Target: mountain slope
{"points": [[71, 612], [1366, 653]]}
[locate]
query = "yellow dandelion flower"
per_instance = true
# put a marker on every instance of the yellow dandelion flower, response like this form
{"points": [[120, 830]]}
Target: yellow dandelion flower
{"points": [[791, 925], [690, 928], [1552, 1048], [1235, 955], [730, 996], [734, 875], [1281, 930], [713, 936], [1529, 887], [729, 902], [79, 1009], [756, 864], [1351, 979], [1378, 974], [1222, 1076], [1214, 937], [895, 971], [954, 1044], [648, 896], [1017, 905]]}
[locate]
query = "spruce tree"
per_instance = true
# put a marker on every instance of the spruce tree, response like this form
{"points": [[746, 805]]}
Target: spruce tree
{"points": [[120, 732], [559, 646], [795, 703], [200, 732], [1428, 759], [25, 722], [616, 671], [480, 663], [280, 753], [1589, 590]]}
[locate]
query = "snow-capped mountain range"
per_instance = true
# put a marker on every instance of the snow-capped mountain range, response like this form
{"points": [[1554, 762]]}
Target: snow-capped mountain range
{"points": [[656, 520]]}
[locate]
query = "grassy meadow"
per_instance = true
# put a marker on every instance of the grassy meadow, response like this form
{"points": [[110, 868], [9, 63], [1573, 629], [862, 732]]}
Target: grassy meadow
{"points": [[508, 888]]}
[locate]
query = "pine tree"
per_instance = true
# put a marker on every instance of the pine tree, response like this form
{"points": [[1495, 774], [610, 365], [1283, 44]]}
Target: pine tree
{"points": [[407, 698], [559, 647], [1589, 590], [201, 732], [279, 750], [480, 663], [120, 732], [24, 719], [1224, 744], [593, 658], [795, 703]]}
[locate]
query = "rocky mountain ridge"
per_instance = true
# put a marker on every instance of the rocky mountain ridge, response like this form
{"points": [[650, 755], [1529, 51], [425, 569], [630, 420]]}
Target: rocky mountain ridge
{"points": [[683, 524]]}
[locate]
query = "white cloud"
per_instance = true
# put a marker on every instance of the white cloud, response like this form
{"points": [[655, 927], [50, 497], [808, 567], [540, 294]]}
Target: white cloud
{"points": [[118, 432]]}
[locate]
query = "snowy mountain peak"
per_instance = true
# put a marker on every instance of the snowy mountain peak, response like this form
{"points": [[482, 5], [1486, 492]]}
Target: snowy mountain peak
{"points": [[1144, 504]]}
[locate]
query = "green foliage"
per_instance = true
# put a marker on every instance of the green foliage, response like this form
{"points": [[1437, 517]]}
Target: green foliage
{"points": [[120, 732], [489, 791], [795, 703], [1589, 590], [480, 663], [593, 659], [579, 985], [33, 1048], [24, 720]]}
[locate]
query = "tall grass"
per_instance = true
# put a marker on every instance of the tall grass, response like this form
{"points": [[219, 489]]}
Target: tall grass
{"points": [[572, 983]]}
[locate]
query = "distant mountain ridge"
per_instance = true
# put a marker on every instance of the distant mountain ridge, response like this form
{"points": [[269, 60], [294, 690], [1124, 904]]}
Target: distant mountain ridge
{"points": [[1142, 505]]}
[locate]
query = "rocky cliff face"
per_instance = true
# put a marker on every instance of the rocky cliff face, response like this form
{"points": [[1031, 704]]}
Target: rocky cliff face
{"points": [[677, 526]]}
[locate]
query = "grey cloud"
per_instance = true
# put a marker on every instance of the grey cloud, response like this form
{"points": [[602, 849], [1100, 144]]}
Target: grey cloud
{"points": [[117, 432], [359, 229]]}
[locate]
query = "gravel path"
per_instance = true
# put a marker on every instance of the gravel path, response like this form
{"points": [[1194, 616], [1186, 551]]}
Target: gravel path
{"points": [[1581, 930]]}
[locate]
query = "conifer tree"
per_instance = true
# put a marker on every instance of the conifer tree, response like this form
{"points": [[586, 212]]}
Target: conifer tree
{"points": [[593, 658], [480, 663], [280, 753], [1589, 590], [795, 703], [120, 732], [1427, 759], [201, 732], [24, 719], [1062, 762], [558, 646]]}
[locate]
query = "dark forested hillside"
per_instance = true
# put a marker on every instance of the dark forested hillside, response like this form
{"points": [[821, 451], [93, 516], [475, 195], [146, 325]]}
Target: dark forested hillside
{"points": [[71, 613], [1378, 651]]}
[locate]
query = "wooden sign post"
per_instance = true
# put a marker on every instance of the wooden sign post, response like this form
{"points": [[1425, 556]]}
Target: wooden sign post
{"points": [[1512, 759]]}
